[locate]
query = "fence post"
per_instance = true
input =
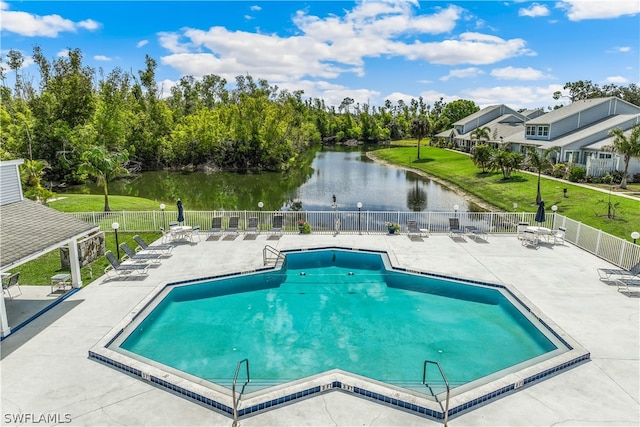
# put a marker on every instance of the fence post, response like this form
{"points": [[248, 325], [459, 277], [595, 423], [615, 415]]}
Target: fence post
{"points": [[598, 242], [578, 234], [124, 221], [624, 245]]}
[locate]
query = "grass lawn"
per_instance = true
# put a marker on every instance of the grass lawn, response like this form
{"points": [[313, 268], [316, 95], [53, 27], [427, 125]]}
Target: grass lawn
{"points": [[586, 205], [40, 270], [95, 203]]}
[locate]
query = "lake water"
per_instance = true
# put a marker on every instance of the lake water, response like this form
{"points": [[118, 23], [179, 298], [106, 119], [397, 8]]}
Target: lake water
{"points": [[349, 175]]}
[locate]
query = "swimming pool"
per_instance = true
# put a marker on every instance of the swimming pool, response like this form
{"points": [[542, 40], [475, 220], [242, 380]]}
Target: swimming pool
{"points": [[337, 314]]}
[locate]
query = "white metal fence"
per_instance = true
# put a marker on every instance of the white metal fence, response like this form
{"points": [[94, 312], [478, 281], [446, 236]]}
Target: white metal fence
{"points": [[613, 249]]}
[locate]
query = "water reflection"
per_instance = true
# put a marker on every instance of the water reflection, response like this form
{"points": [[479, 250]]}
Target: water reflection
{"points": [[350, 175], [354, 178]]}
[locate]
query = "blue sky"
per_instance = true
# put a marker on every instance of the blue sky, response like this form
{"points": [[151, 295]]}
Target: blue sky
{"points": [[492, 52]]}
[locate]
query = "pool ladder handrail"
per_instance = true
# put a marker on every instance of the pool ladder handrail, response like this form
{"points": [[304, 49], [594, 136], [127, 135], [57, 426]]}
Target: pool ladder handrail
{"points": [[270, 250], [446, 383], [233, 390]]}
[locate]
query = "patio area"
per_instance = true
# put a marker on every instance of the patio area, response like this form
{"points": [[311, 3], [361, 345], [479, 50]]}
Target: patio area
{"points": [[46, 371]]}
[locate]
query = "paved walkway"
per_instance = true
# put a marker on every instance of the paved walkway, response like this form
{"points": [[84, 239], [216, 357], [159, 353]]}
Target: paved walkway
{"points": [[46, 372]]}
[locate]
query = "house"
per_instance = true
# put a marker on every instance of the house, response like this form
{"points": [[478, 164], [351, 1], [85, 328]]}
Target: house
{"points": [[501, 121], [29, 229], [581, 131]]}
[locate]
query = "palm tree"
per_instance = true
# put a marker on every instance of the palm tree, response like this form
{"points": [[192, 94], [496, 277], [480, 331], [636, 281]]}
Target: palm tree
{"points": [[31, 175], [627, 146], [481, 133], [104, 166], [540, 163], [506, 161], [420, 128], [481, 155]]}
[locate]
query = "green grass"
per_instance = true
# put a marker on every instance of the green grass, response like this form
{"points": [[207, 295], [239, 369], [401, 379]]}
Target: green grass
{"points": [[39, 271], [95, 203], [586, 205]]}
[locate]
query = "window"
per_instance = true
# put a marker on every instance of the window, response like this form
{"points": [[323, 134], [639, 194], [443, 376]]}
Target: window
{"points": [[604, 155], [531, 130], [543, 130]]}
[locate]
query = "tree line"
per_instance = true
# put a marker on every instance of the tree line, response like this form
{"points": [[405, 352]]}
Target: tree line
{"points": [[246, 125]]}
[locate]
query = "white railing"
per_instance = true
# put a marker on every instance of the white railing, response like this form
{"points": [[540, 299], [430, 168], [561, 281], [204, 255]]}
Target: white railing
{"points": [[611, 248]]}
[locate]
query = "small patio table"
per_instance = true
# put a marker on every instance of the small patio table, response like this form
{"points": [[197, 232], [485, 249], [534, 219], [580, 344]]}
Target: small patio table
{"points": [[60, 281]]}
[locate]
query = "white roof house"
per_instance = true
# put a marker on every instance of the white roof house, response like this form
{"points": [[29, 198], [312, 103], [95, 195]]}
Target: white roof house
{"points": [[581, 130]]}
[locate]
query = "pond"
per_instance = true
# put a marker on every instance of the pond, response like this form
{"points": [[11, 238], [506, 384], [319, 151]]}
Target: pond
{"points": [[348, 174]]}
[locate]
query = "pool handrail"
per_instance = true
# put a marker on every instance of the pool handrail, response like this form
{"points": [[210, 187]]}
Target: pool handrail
{"points": [[233, 390], [268, 249], [446, 383]]}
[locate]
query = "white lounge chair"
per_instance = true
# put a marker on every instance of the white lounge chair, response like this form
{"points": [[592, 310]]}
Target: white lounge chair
{"points": [[558, 235], [233, 226], [529, 238], [627, 286], [252, 225], [216, 225], [124, 269], [454, 228], [475, 232], [609, 274], [11, 281], [143, 246], [139, 256], [276, 226]]}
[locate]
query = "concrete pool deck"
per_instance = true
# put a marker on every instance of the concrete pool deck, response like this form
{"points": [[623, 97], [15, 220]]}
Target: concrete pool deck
{"points": [[46, 371]]}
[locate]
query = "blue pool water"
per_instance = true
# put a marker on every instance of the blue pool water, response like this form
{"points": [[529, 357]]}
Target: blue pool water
{"points": [[336, 309]]}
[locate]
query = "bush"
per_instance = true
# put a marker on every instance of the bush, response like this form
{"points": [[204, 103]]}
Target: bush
{"points": [[559, 170], [577, 173], [617, 176], [636, 177]]}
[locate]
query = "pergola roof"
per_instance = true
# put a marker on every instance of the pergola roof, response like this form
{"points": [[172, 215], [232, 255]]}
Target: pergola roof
{"points": [[29, 229]]}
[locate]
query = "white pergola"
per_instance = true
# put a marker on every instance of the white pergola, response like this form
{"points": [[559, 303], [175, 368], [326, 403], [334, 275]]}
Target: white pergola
{"points": [[29, 230]]}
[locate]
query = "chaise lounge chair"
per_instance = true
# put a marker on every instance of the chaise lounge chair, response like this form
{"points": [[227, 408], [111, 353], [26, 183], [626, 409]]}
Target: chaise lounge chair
{"points": [[10, 282], [529, 238], [233, 225], [413, 230], [627, 286], [163, 249], [216, 225], [276, 227], [609, 274], [475, 232], [124, 269], [252, 225], [454, 228], [139, 256]]}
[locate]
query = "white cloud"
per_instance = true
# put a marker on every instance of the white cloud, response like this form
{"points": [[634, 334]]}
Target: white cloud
{"points": [[63, 53], [516, 73], [534, 11], [617, 79], [621, 49], [255, 8], [101, 58], [470, 48], [578, 10], [30, 25], [248, 17], [397, 96], [462, 73], [171, 42], [513, 96], [142, 43]]}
